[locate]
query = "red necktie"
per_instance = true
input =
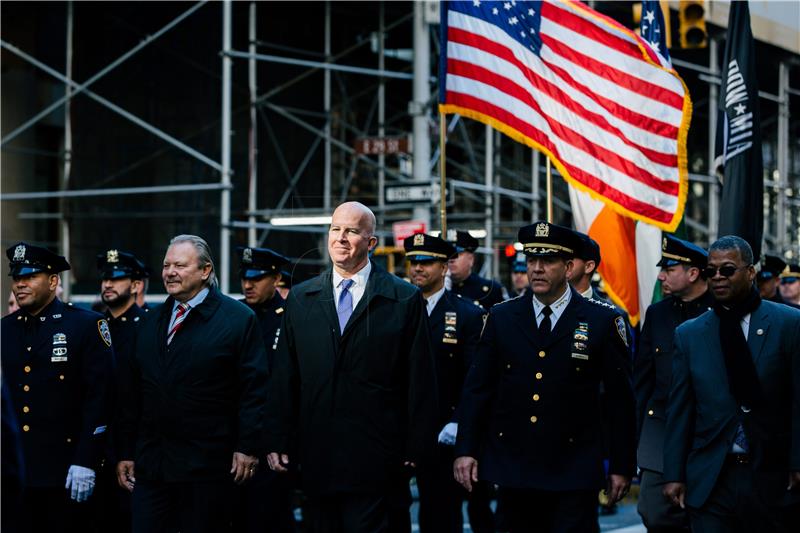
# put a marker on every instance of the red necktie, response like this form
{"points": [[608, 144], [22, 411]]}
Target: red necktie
{"points": [[180, 315]]}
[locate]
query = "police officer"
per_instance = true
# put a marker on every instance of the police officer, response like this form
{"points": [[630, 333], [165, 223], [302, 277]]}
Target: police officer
{"points": [[455, 326], [57, 361], [681, 276], [266, 499], [519, 274], [484, 292], [121, 275], [530, 420], [790, 284]]}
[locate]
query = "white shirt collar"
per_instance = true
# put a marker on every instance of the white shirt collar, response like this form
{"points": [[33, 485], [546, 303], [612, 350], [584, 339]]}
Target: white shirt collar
{"points": [[588, 293], [433, 299], [195, 301], [359, 278], [556, 307]]}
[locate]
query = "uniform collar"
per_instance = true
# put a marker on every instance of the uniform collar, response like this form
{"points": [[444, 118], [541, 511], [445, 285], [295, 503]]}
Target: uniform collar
{"points": [[556, 307], [53, 310]]}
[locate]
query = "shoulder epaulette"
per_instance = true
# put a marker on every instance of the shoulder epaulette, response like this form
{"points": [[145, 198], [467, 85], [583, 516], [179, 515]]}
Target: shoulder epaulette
{"points": [[600, 302], [509, 300]]}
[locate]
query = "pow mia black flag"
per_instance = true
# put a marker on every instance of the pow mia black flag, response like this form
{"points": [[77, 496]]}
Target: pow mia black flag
{"points": [[738, 145]]}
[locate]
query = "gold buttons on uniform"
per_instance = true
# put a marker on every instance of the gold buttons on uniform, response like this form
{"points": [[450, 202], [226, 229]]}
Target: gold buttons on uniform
{"points": [[26, 428], [538, 375], [534, 419], [535, 397], [650, 412], [61, 377], [500, 434], [658, 350], [541, 353], [28, 348], [26, 388], [27, 369], [69, 439], [508, 365], [26, 409]]}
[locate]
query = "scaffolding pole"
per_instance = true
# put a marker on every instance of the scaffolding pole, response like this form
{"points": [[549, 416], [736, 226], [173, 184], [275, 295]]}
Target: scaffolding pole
{"points": [[252, 191], [488, 179], [381, 119], [64, 241], [419, 107], [326, 97], [782, 182], [713, 96], [225, 181]]}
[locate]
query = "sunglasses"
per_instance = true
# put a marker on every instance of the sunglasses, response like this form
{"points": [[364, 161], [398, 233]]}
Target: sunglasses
{"points": [[724, 271]]}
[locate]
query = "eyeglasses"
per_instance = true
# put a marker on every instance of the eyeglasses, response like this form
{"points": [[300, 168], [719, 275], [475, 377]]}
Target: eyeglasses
{"points": [[725, 271]]}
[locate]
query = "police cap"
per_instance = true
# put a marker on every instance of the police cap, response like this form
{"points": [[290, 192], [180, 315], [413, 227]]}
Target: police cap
{"points": [[545, 239], [675, 251], [257, 262], [462, 240], [519, 263], [589, 250], [27, 259], [116, 264], [771, 267], [791, 273], [422, 247]]}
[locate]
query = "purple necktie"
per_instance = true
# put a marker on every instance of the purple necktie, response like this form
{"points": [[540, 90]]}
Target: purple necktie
{"points": [[345, 307]]}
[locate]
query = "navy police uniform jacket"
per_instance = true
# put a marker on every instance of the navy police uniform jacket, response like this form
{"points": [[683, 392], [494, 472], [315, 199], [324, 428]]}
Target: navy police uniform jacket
{"points": [[530, 410], [58, 367], [187, 407], [351, 407], [123, 332], [270, 315], [455, 325], [652, 372], [482, 291]]}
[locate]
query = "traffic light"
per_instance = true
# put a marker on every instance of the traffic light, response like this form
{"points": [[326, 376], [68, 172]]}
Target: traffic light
{"points": [[637, 16], [692, 22]]}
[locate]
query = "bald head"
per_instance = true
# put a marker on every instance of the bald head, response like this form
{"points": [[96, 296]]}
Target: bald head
{"points": [[351, 237]]}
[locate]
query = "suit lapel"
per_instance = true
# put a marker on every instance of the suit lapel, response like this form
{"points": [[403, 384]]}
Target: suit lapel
{"points": [[322, 292], [377, 285], [759, 327]]}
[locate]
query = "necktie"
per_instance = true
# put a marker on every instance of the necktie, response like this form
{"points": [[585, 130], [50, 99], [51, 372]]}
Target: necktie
{"points": [[345, 307], [180, 315], [545, 326]]}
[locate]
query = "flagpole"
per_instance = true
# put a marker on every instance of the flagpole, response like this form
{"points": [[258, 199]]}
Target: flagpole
{"points": [[549, 192], [442, 179]]}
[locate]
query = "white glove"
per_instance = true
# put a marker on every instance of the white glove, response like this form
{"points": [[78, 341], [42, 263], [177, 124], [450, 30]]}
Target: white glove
{"points": [[80, 481], [448, 434]]}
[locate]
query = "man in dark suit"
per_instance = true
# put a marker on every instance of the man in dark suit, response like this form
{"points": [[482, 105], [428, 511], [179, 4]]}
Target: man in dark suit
{"points": [[455, 326], [732, 446], [352, 398], [681, 275], [530, 420], [57, 364], [267, 498], [192, 400], [482, 291]]}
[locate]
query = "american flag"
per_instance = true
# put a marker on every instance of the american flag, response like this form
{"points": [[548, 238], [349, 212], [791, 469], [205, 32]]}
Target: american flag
{"points": [[652, 27], [590, 93]]}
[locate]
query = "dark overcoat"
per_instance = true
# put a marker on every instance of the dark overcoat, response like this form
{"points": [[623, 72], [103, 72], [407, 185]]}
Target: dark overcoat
{"points": [[58, 368], [187, 407], [652, 373], [352, 407], [530, 409]]}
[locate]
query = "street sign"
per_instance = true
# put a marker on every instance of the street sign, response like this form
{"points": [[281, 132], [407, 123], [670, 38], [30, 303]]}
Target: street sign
{"points": [[382, 145], [406, 228], [414, 192]]}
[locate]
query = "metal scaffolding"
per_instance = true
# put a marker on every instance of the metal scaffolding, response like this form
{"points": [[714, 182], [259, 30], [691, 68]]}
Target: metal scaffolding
{"points": [[496, 183]]}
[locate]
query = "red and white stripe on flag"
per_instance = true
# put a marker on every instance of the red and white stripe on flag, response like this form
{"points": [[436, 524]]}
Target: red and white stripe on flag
{"points": [[580, 87]]}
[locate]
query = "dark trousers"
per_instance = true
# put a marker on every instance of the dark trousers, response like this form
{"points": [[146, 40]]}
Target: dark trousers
{"points": [[52, 510], [657, 512], [264, 504], [159, 507], [440, 499], [348, 513], [735, 506], [542, 511], [111, 504]]}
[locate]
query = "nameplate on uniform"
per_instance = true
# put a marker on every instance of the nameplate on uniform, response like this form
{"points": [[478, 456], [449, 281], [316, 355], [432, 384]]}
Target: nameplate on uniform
{"points": [[582, 356]]}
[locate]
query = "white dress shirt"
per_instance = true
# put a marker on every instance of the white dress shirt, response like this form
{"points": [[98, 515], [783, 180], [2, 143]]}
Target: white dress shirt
{"points": [[356, 289], [556, 307], [194, 302], [433, 300]]}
